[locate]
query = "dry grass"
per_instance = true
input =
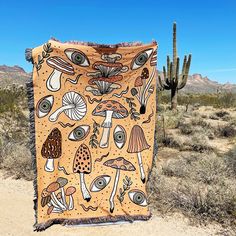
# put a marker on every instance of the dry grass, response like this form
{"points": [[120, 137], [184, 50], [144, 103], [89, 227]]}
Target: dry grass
{"points": [[202, 186]]}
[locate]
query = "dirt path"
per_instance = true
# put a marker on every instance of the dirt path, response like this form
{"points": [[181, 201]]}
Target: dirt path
{"points": [[17, 218]]}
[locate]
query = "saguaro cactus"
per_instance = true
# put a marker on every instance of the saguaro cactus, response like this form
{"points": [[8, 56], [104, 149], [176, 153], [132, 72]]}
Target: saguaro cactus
{"points": [[172, 79]]}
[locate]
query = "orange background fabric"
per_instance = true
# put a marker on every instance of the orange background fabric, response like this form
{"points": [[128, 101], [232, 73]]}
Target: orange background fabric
{"points": [[101, 161]]}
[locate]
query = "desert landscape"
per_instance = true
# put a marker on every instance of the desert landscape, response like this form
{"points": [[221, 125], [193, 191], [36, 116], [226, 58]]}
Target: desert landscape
{"points": [[192, 185]]}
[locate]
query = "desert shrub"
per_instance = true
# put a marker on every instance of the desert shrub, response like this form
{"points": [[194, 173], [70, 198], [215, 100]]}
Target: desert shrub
{"points": [[16, 161], [12, 99], [228, 130], [224, 100], [185, 128], [214, 117], [199, 142], [173, 141], [198, 185]]}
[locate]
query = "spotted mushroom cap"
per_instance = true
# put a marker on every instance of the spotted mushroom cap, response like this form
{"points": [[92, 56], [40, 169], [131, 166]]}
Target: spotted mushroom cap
{"points": [[145, 73], [119, 111], [138, 82], [82, 160], [51, 148], [120, 163], [61, 65]]}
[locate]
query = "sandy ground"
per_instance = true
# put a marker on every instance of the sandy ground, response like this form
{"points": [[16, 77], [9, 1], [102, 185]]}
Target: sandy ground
{"points": [[17, 218]]}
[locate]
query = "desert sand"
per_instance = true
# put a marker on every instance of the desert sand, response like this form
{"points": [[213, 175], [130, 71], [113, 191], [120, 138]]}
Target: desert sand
{"points": [[17, 218]]}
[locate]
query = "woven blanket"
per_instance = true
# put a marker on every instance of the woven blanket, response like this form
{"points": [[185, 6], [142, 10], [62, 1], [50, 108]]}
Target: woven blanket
{"points": [[92, 112]]}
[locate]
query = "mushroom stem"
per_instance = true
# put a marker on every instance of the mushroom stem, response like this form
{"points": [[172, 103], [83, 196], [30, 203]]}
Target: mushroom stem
{"points": [[57, 201], [54, 116], [83, 188], [54, 81], [140, 162], [63, 196], [49, 166], [105, 138], [71, 203], [107, 123], [113, 193]]}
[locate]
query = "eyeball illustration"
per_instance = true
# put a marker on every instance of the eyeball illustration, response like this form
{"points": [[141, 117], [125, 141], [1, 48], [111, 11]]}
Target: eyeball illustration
{"points": [[79, 133], [100, 183], [141, 59], [119, 136], [44, 106], [77, 57], [138, 197]]}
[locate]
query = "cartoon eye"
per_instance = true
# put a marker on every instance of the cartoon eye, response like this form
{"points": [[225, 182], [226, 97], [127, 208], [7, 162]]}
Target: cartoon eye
{"points": [[138, 197], [100, 183], [44, 106], [141, 59], [77, 57], [79, 133], [119, 136]]}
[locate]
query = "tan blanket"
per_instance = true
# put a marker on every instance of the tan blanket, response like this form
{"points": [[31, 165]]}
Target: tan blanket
{"points": [[93, 122]]}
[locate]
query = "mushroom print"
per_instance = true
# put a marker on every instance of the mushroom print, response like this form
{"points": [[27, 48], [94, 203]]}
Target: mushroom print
{"points": [[59, 66], [109, 109], [73, 105], [52, 188], [137, 144], [143, 88], [69, 192], [93, 114], [119, 164], [51, 149], [62, 182], [108, 73], [83, 166]]}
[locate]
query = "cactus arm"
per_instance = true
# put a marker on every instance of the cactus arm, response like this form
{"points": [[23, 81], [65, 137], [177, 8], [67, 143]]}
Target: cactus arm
{"points": [[185, 71], [184, 65], [177, 72], [162, 85]]}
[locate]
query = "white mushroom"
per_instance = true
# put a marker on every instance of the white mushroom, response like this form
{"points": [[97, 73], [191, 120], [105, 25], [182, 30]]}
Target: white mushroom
{"points": [[60, 66], [73, 105]]}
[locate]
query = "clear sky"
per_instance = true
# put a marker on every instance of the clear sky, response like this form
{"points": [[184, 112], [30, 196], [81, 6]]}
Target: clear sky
{"points": [[205, 28]]}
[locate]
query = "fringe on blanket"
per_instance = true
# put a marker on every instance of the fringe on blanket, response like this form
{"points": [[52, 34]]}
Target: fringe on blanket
{"points": [[97, 220]]}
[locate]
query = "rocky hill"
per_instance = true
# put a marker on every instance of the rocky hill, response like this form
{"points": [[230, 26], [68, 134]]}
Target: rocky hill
{"points": [[196, 82], [13, 75]]}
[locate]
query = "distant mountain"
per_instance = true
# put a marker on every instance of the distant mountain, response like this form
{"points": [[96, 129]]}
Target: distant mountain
{"points": [[199, 84], [13, 75], [196, 83]]}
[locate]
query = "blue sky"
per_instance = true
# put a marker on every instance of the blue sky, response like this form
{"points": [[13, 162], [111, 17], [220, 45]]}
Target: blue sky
{"points": [[205, 28]]}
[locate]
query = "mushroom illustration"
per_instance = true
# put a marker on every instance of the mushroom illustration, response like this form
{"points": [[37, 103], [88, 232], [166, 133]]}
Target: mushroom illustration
{"points": [[60, 66], [108, 73], [73, 105], [51, 149], [45, 197], [62, 182], [138, 143], [83, 165], [69, 192], [119, 164], [109, 109], [52, 188], [142, 85]]}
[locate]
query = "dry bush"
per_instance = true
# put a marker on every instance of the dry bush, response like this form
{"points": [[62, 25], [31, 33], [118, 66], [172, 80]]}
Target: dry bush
{"points": [[16, 161], [199, 185], [227, 131], [199, 142], [174, 141]]}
